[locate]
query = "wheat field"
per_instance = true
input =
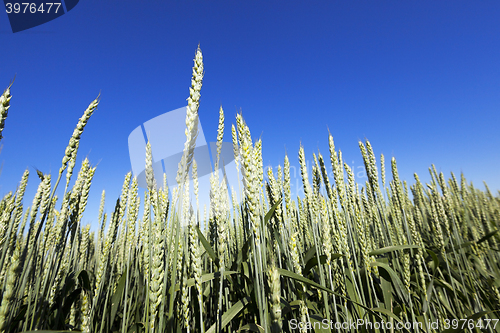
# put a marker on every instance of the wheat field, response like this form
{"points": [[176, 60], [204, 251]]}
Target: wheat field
{"points": [[344, 253]]}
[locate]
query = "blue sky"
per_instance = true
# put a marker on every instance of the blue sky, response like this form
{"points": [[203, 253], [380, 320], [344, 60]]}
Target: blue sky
{"points": [[420, 80]]}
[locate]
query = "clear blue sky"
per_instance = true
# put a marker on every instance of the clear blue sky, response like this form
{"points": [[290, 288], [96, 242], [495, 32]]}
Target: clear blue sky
{"points": [[419, 79]]}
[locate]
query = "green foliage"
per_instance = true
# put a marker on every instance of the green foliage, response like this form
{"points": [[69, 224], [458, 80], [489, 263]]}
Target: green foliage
{"points": [[340, 254]]}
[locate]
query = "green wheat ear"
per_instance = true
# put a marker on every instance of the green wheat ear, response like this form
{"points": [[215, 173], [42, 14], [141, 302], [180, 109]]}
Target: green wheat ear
{"points": [[4, 106]]}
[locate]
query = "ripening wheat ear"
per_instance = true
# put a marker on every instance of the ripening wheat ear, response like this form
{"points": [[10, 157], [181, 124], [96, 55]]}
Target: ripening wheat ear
{"points": [[8, 294], [72, 148], [220, 134], [150, 177], [273, 277], [191, 118], [4, 107]]}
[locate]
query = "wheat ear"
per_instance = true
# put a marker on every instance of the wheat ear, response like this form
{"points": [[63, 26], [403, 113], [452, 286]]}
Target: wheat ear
{"points": [[4, 107], [72, 147]]}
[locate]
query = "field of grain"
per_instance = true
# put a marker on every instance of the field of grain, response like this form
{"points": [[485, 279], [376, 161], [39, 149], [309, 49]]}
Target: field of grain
{"points": [[370, 254]]}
